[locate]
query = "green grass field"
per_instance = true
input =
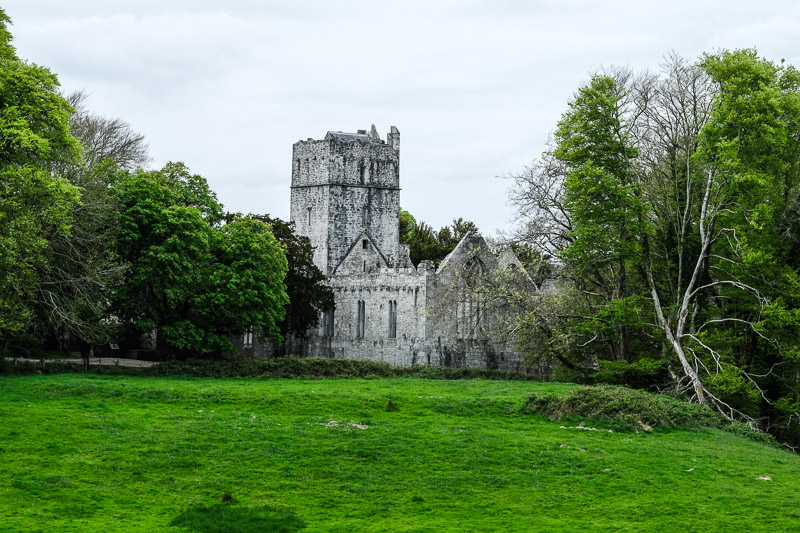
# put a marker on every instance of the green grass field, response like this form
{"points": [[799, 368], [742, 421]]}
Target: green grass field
{"points": [[99, 453]]}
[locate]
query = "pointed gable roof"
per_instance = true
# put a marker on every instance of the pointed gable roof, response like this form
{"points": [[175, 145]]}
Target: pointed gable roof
{"points": [[369, 256], [473, 244]]}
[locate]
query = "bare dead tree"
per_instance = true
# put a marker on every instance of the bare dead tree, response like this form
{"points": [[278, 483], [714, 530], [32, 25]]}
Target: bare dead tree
{"points": [[76, 289], [538, 195], [106, 138]]}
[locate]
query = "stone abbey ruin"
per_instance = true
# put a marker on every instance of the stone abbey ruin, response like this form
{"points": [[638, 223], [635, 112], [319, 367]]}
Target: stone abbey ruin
{"points": [[345, 197]]}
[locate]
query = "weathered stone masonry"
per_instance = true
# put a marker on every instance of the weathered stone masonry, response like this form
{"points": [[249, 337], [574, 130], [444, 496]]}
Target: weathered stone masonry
{"points": [[343, 186], [345, 198]]}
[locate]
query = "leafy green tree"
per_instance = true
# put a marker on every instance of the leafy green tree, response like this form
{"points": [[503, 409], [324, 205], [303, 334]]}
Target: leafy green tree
{"points": [[305, 283], [730, 266], [601, 198], [679, 192], [76, 290], [195, 280], [407, 226], [426, 244], [34, 204], [751, 148]]}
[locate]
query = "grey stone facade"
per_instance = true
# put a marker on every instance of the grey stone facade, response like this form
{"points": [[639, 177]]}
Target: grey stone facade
{"points": [[345, 198], [345, 186]]}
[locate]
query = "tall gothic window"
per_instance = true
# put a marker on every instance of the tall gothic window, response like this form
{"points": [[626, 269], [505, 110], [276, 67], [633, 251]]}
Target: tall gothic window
{"points": [[392, 319], [361, 319], [471, 319], [308, 216]]}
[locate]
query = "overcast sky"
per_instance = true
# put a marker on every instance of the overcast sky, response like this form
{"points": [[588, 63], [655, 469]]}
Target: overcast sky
{"points": [[475, 87]]}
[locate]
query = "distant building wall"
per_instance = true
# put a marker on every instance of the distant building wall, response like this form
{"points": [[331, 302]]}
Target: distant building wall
{"points": [[343, 186], [346, 199]]}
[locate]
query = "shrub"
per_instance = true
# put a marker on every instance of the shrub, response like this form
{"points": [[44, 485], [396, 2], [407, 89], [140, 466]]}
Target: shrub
{"points": [[623, 408], [628, 409], [279, 367]]}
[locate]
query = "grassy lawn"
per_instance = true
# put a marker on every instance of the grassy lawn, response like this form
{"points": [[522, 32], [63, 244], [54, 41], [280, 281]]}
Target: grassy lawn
{"points": [[99, 453]]}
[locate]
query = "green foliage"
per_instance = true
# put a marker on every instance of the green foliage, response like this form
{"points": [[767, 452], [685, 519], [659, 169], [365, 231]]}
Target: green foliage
{"points": [[426, 244], [6, 48], [279, 367], [538, 265], [316, 368], [195, 280], [624, 409], [84, 269], [601, 199], [676, 218], [407, 226], [308, 295], [600, 196], [646, 373], [34, 205]]}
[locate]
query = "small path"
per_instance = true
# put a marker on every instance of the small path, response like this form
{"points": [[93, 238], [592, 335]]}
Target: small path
{"points": [[97, 361]]}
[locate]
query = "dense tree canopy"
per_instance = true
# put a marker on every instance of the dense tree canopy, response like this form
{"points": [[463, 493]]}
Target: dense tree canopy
{"points": [[194, 279], [425, 243], [34, 204], [75, 293], [671, 202], [93, 249], [308, 295]]}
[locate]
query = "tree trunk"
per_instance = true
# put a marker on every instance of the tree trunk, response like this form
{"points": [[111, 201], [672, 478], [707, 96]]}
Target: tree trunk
{"points": [[674, 341], [87, 354]]}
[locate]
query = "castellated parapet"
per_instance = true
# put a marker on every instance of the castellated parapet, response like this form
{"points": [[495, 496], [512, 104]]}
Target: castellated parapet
{"points": [[346, 199]]}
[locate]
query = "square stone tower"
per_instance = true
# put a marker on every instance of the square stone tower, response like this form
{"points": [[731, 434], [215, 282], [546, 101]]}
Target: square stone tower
{"points": [[344, 187]]}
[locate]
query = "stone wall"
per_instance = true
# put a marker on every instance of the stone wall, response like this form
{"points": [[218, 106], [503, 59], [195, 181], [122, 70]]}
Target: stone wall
{"points": [[343, 186], [346, 199], [378, 290]]}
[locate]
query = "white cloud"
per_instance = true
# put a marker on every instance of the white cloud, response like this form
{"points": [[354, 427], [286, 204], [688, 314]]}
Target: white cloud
{"points": [[475, 87]]}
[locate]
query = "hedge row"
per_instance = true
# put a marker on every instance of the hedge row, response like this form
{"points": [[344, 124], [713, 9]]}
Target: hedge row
{"points": [[279, 367]]}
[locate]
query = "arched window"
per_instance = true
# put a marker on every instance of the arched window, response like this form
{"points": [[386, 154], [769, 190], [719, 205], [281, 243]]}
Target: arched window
{"points": [[471, 314], [327, 323], [474, 269]]}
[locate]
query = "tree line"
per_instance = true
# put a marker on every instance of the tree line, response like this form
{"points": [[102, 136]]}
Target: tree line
{"points": [[668, 204], [95, 249]]}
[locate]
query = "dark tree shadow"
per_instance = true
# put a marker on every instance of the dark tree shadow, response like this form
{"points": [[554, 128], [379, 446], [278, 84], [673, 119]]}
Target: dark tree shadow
{"points": [[230, 518]]}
